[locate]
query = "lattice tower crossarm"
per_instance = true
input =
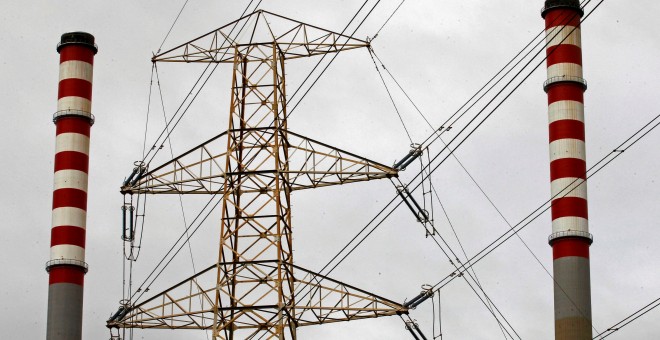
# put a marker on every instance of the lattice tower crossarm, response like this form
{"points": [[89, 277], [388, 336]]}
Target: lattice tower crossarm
{"points": [[255, 290], [294, 40]]}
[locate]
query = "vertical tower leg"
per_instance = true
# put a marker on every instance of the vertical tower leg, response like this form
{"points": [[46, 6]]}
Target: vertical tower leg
{"points": [[255, 270], [570, 238], [73, 121]]}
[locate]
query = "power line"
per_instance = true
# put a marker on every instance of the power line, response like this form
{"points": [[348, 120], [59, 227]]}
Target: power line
{"points": [[537, 215], [593, 170], [169, 140], [390, 95], [155, 148], [501, 103], [173, 23], [466, 172], [180, 196], [331, 60], [324, 55], [146, 123], [388, 20], [168, 131], [602, 163], [488, 303], [490, 80], [629, 319], [172, 248], [444, 128], [520, 238], [488, 299], [451, 225]]}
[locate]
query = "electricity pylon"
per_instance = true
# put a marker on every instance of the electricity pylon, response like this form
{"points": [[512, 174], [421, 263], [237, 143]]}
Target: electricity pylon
{"points": [[256, 291]]}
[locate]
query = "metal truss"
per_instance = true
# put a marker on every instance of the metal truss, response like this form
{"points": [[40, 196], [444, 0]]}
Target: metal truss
{"points": [[189, 304], [312, 164], [253, 290], [261, 28]]}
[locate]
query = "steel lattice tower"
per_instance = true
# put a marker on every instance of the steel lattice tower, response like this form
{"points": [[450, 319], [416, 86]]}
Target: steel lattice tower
{"points": [[255, 290]]}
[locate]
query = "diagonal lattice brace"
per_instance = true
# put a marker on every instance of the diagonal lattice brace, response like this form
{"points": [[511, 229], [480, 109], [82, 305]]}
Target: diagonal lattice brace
{"points": [[312, 164], [189, 304], [325, 300], [199, 170]]}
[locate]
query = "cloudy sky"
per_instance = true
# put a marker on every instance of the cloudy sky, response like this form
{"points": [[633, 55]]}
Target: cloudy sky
{"points": [[441, 52]]}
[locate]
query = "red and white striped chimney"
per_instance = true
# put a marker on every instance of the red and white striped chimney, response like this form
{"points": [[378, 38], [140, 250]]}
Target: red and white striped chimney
{"points": [[570, 238], [73, 121]]}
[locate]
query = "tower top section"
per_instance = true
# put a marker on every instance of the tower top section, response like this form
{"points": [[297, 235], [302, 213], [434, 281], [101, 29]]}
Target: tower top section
{"points": [[567, 4], [77, 38], [243, 37]]}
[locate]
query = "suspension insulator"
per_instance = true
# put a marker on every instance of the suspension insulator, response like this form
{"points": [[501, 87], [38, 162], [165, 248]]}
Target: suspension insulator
{"points": [[123, 220], [131, 226], [417, 300], [409, 158], [130, 178], [410, 329]]}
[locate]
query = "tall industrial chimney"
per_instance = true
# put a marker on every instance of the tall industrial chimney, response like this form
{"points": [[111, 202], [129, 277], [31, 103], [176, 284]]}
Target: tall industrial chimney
{"points": [[73, 121], [570, 238]]}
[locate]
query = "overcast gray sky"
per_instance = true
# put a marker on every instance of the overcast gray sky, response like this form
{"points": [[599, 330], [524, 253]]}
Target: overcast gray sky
{"points": [[441, 52]]}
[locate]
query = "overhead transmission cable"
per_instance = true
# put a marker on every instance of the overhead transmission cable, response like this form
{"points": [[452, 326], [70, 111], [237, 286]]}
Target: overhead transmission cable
{"points": [[179, 195], [439, 336], [143, 154], [629, 319], [146, 122], [192, 259], [475, 278], [171, 27], [567, 189], [333, 58], [601, 159], [487, 302], [443, 129], [169, 140], [192, 95], [475, 183], [168, 131], [326, 54], [542, 33], [451, 152], [606, 160], [130, 257], [388, 20], [460, 244], [388, 214], [173, 251], [389, 94]]}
